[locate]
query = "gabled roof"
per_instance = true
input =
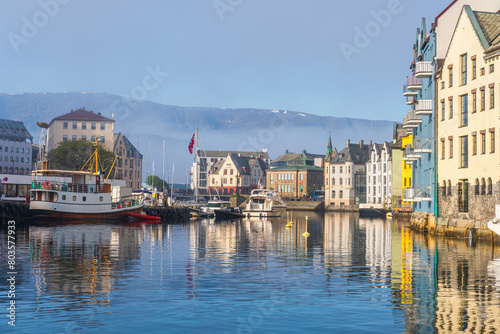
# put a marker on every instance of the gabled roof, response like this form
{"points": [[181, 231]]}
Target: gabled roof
{"points": [[490, 28], [131, 150], [14, 131], [217, 166], [289, 156], [82, 115], [224, 154], [378, 150], [359, 154]]}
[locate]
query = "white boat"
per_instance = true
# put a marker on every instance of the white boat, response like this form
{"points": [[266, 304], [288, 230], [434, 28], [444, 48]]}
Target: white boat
{"points": [[213, 205], [264, 203], [79, 195], [494, 224]]}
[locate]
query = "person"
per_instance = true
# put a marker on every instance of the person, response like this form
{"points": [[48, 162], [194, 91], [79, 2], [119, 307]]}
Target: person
{"points": [[27, 199]]}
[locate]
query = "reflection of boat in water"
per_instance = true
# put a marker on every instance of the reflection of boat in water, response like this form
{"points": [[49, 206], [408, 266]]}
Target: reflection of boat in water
{"points": [[79, 194], [264, 203]]}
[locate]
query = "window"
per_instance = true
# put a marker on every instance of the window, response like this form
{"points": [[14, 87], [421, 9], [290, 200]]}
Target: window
{"points": [[483, 98], [74, 198], [103, 126], [11, 149], [27, 151], [92, 126], [443, 111], [490, 187], [100, 198], [450, 83], [102, 139], [451, 108], [450, 141], [442, 84], [464, 152], [65, 137], [73, 137], [75, 125], [84, 137], [492, 68], [92, 139], [340, 181], [476, 187], [473, 68], [474, 102], [65, 125], [84, 125], [474, 144], [301, 177], [482, 71], [463, 69], [271, 176], [483, 143], [63, 197], [492, 141], [17, 149], [333, 181], [333, 193], [492, 97], [464, 110], [341, 194], [22, 159], [22, 150], [483, 187], [84, 198], [341, 169], [27, 159]]}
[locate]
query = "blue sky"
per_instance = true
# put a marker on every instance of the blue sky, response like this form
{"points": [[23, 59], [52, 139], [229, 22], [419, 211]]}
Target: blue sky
{"points": [[285, 54]]}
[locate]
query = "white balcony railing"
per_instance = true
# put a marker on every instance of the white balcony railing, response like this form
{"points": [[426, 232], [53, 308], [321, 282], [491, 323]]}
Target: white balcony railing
{"points": [[423, 69], [413, 118], [423, 107], [408, 92], [414, 83], [409, 155], [410, 99], [423, 145]]}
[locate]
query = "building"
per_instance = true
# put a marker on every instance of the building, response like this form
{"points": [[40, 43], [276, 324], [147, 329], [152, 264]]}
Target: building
{"points": [[81, 124], [379, 174], [407, 171], [205, 160], [299, 178], [468, 118], [237, 174], [16, 158], [420, 123], [345, 174], [283, 159], [128, 165]]}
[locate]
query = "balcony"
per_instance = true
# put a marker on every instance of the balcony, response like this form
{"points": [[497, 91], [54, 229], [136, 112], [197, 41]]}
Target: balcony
{"points": [[408, 194], [423, 69], [417, 194], [409, 154], [410, 100], [414, 83], [423, 145], [408, 92], [413, 118], [407, 124], [424, 107]]}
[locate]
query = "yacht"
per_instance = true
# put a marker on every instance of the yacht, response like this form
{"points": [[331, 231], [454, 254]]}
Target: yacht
{"points": [[264, 203]]}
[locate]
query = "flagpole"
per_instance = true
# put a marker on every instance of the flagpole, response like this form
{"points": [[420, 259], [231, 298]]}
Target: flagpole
{"points": [[172, 182], [149, 160], [196, 168], [163, 164]]}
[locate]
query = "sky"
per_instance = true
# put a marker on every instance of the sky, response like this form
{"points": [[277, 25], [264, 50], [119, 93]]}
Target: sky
{"points": [[323, 57]]}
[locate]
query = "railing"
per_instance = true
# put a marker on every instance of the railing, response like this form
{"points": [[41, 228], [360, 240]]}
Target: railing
{"points": [[417, 194], [409, 154], [413, 118], [410, 99], [127, 202], [414, 82], [67, 187], [408, 91], [423, 145], [423, 68], [423, 107]]}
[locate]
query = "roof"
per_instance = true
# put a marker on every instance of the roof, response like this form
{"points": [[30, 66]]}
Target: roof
{"points": [[359, 154], [243, 164], [290, 156], [223, 154], [490, 28], [82, 115], [378, 150], [131, 150], [297, 167], [14, 131]]}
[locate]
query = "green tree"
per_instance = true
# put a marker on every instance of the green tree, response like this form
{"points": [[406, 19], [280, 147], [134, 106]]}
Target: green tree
{"points": [[157, 183], [72, 155]]}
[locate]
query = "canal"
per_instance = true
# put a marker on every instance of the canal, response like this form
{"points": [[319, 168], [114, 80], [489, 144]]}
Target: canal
{"points": [[350, 275]]}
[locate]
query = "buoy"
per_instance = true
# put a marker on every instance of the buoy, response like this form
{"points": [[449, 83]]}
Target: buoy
{"points": [[46, 184]]}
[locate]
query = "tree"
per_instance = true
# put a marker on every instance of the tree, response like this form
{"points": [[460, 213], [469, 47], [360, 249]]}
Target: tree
{"points": [[72, 155], [157, 183]]}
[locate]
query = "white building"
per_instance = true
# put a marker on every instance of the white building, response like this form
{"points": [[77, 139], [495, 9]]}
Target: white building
{"points": [[379, 174]]}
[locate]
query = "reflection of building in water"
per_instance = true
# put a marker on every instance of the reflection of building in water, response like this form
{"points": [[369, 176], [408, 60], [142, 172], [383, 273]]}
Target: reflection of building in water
{"points": [[466, 299], [340, 231], [378, 246], [80, 259], [210, 239]]}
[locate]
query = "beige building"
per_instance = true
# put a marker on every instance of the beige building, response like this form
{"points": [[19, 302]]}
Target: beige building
{"points": [[81, 124], [128, 165], [468, 117], [237, 174]]}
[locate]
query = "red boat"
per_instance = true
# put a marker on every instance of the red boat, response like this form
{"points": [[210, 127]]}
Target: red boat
{"points": [[137, 216]]}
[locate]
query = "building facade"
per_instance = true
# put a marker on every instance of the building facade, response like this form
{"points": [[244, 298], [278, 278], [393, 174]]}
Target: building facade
{"points": [[345, 174], [299, 178], [282, 160], [379, 174], [205, 161], [15, 148], [81, 124], [469, 126], [237, 174], [128, 165]]}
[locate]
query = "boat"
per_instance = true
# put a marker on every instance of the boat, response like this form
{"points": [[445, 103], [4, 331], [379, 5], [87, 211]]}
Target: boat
{"points": [[213, 205], [494, 224], [264, 203], [65, 194], [228, 213], [138, 216]]}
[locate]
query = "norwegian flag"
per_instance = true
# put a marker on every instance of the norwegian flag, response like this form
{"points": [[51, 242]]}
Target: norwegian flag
{"points": [[191, 144]]}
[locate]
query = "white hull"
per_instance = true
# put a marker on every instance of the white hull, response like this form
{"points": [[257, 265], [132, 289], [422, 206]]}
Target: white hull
{"points": [[276, 211], [494, 225]]}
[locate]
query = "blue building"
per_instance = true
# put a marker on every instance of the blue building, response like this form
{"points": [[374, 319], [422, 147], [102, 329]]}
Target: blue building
{"points": [[420, 121]]}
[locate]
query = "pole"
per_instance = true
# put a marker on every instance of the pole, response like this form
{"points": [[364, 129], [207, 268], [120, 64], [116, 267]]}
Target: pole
{"points": [[172, 183], [196, 176], [163, 165]]}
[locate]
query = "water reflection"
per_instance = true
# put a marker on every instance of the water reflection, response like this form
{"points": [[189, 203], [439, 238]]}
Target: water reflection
{"points": [[213, 274]]}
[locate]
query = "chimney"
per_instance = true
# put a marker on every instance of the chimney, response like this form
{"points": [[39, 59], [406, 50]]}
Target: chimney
{"points": [[347, 143], [99, 113], [361, 143], [286, 151], [304, 152], [370, 143]]}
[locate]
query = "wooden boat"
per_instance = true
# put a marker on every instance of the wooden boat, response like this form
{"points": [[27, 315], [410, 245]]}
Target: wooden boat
{"points": [[79, 195]]}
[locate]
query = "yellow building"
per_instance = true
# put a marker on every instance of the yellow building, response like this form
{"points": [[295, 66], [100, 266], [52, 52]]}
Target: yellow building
{"points": [[407, 170], [468, 118]]}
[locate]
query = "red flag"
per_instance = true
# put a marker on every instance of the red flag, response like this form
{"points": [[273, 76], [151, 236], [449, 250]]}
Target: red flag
{"points": [[191, 144]]}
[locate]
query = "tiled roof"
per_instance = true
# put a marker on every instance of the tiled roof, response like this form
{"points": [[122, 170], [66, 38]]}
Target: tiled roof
{"points": [[83, 115], [131, 150], [289, 156], [223, 154], [14, 131], [490, 25], [297, 167], [355, 153]]}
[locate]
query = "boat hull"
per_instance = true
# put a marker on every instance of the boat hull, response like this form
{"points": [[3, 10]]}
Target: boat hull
{"points": [[113, 215], [226, 214], [277, 211], [494, 225]]}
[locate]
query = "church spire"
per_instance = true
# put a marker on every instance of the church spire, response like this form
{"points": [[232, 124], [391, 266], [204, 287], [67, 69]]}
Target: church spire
{"points": [[329, 147]]}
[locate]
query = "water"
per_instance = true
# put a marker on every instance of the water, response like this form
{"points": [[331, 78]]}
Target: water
{"points": [[350, 275]]}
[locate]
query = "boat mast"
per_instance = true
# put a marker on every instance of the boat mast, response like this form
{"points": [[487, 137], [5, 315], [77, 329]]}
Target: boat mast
{"points": [[163, 163], [196, 169], [149, 161]]}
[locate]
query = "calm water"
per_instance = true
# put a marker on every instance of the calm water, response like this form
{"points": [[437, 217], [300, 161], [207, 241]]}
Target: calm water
{"points": [[350, 275]]}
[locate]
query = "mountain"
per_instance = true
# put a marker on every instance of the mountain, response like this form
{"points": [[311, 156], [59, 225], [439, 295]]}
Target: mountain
{"points": [[219, 128]]}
